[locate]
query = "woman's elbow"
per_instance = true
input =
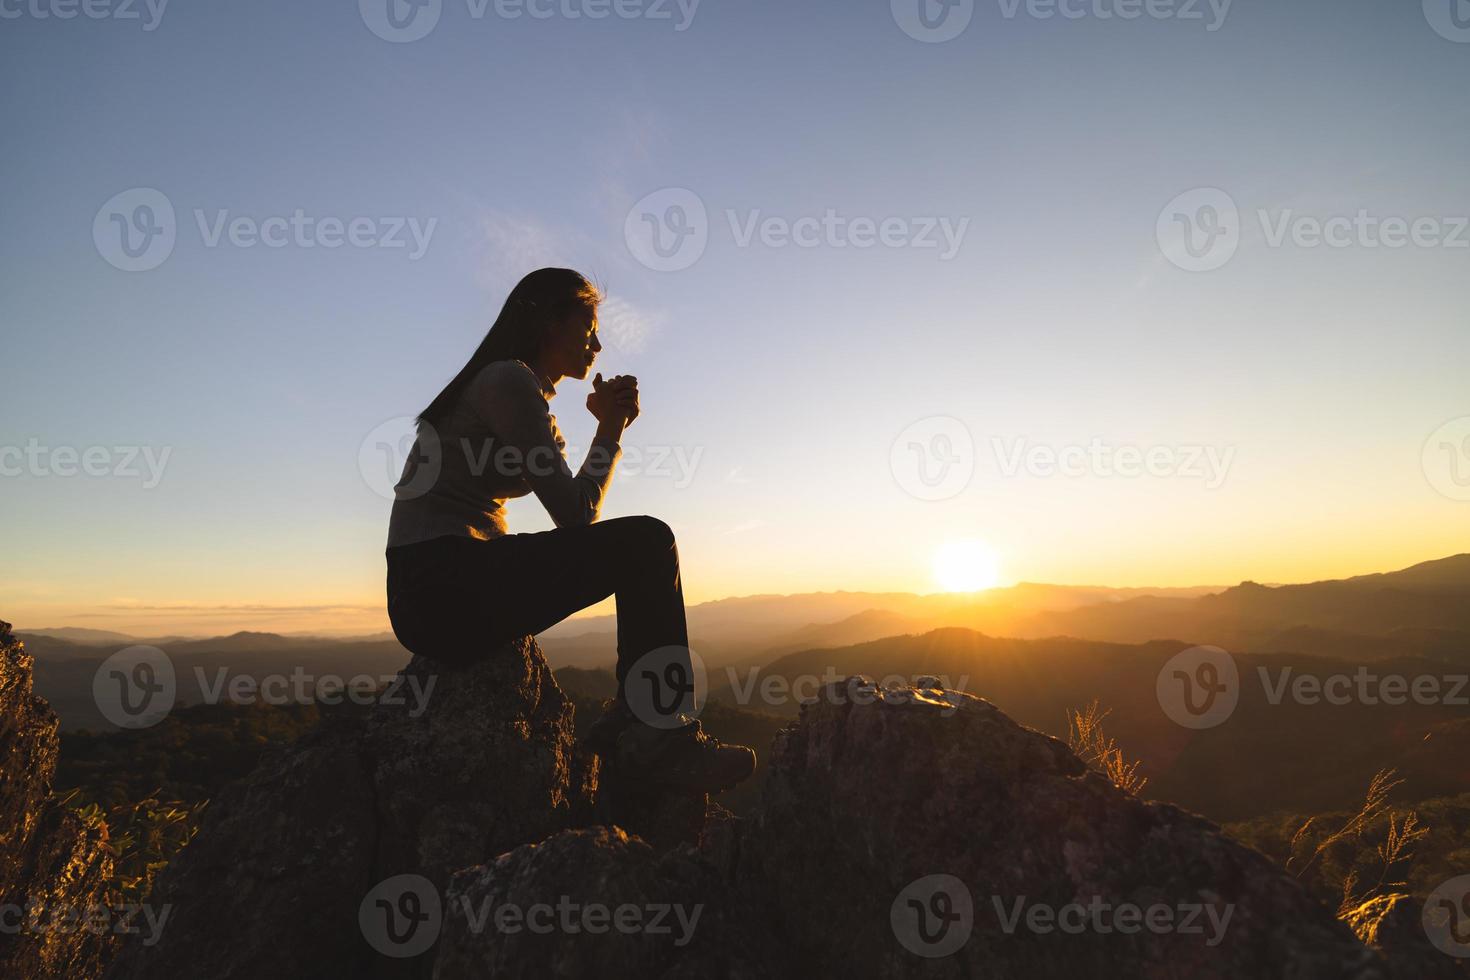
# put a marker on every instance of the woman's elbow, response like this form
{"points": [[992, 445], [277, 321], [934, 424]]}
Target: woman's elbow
{"points": [[578, 516]]}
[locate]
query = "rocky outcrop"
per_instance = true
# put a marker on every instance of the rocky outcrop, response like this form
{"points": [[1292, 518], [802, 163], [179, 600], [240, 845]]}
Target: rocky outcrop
{"points": [[598, 903], [453, 831], [449, 769], [883, 821], [909, 833], [54, 870]]}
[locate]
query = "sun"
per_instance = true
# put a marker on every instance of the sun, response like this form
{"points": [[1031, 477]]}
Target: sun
{"points": [[966, 566]]}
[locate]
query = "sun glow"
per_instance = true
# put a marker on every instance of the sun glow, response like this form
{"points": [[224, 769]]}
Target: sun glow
{"points": [[966, 566]]}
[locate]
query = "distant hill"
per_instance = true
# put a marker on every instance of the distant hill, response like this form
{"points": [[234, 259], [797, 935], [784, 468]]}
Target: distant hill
{"points": [[748, 629], [80, 635], [1418, 611], [1265, 757], [64, 671]]}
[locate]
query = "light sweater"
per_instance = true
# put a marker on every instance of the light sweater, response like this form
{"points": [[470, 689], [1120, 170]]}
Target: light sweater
{"points": [[498, 441]]}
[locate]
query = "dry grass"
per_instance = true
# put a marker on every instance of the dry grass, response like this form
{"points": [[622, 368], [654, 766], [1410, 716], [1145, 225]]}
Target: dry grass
{"points": [[1086, 737], [1390, 858]]}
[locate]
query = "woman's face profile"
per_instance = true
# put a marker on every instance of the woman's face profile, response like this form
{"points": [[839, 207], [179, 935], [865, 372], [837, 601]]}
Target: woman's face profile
{"points": [[571, 347]]}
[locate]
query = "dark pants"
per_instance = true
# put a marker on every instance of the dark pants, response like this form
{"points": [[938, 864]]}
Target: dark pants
{"points": [[454, 599]]}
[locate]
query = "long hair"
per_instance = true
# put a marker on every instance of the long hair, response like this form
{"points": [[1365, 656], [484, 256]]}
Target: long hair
{"points": [[543, 297]]}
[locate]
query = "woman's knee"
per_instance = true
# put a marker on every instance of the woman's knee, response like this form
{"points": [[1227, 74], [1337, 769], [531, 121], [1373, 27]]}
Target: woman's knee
{"points": [[654, 533], [645, 538]]}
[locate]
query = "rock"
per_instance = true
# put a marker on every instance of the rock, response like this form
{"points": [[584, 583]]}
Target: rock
{"points": [[882, 805], [904, 832], [598, 903], [659, 816], [52, 865], [449, 769], [867, 803]]}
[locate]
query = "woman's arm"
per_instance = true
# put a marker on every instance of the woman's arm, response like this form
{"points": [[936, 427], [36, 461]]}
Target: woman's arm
{"points": [[507, 397]]}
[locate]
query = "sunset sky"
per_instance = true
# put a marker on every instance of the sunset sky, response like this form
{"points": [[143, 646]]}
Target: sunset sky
{"points": [[1289, 397]]}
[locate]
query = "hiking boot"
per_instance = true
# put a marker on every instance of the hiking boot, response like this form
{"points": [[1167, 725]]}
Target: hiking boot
{"points": [[602, 737], [683, 757]]}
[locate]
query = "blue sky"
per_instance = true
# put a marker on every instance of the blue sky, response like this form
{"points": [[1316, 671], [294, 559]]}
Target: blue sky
{"points": [[787, 372]]}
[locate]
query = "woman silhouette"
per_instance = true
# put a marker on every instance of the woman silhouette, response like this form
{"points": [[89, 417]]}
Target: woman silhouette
{"points": [[460, 585]]}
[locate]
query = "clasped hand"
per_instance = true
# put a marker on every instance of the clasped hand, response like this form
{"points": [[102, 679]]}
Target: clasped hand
{"points": [[614, 397]]}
